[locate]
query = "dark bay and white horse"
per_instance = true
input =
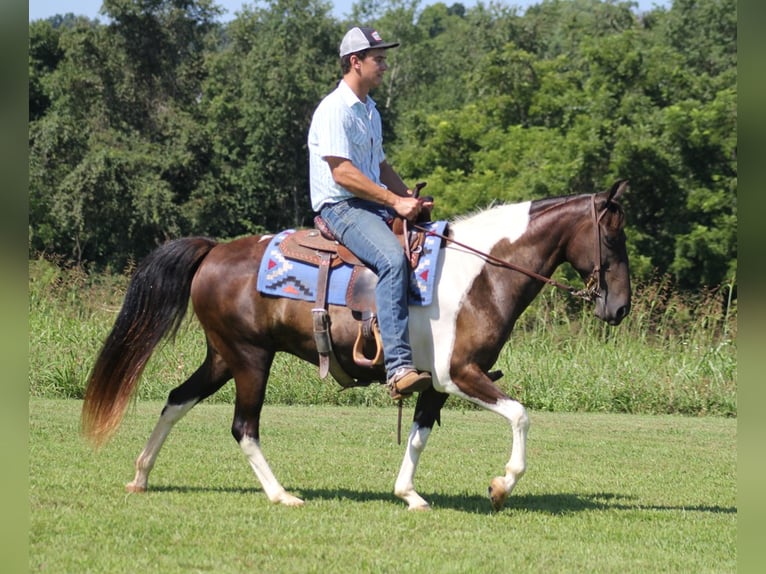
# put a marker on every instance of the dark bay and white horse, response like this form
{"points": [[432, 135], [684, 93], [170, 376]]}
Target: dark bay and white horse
{"points": [[493, 264]]}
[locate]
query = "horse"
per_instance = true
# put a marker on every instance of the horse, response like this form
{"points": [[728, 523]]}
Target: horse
{"points": [[492, 264]]}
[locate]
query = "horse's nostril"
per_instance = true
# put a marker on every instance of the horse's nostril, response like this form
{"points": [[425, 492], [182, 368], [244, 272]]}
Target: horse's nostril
{"points": [[622, 312]]}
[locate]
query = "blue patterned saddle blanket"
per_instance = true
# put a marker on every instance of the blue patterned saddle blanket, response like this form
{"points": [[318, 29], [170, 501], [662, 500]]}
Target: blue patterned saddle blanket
{"points": [[283, 277]]}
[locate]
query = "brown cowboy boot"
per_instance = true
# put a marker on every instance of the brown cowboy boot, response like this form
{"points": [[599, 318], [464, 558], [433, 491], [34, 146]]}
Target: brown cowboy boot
{"points": [[407, 381]]}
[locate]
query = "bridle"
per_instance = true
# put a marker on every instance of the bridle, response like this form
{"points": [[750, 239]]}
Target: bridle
{"points": [[593, 283]]}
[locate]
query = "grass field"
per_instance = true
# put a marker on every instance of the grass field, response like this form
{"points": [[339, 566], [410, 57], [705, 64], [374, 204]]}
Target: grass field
{"points": [[603, 493], [647, 491]]}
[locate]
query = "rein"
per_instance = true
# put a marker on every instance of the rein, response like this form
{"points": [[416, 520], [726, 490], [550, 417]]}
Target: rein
{"points": [[592, 288]]}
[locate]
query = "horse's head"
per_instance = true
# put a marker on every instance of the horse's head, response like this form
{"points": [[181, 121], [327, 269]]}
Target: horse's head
{"points": [[599, 254]]}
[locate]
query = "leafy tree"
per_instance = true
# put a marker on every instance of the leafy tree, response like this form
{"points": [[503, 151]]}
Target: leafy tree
{"points": [[285, 59], [107, 188], [505, 81], [164, 122], [705, 33], [555, 28], [44, 56], [597, 96], [162, 46]]}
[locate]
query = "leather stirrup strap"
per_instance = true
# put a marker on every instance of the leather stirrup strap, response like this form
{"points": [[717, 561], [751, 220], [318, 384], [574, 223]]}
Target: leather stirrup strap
{"points": [[321, 319], [323, 278]]}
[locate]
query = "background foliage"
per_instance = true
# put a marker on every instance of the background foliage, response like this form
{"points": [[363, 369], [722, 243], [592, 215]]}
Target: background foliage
{"points": [[163, 122]]}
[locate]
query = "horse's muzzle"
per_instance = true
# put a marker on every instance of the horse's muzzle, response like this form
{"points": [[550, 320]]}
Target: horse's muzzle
{"points": [[611, 314]]}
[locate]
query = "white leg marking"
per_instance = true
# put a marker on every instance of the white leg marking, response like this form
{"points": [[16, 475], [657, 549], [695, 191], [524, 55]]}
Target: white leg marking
{"points": [[171, 414], [274, 491], [502, 486], [404, 487], [517, 464]]}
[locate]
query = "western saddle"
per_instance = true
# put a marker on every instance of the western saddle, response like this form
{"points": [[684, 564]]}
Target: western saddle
{"points": [[319, 247]]}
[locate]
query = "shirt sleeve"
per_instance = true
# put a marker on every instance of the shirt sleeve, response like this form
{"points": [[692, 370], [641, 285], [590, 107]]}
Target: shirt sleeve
{"points": [[332, 132]]}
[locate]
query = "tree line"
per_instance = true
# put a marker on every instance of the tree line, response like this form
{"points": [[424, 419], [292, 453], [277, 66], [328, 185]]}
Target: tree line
{"points": [[161, 121]]}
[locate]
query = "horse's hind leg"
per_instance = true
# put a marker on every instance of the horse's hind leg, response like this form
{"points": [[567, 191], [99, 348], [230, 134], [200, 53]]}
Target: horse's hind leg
{"points": [[250, 378], [205, 381], [427, 412]]}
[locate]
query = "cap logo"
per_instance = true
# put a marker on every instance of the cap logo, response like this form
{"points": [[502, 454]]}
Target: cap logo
{"points": [[376, 36]]}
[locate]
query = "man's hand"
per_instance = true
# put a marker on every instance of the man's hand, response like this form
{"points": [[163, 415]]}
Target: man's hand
{"points": [[408, 207], [427, 202]]}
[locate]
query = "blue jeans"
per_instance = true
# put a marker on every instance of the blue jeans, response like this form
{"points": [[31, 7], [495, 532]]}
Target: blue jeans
{"points": [[362, 227]]}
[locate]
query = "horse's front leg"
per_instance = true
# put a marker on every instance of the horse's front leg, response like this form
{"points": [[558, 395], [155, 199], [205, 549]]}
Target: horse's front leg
{"points": [[405, 486], [427, 412], [501, 486], [479, 388]]}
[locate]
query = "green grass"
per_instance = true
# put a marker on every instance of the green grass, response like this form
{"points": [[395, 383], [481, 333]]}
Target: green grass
{"points": [[603, 493], [675, 353]]}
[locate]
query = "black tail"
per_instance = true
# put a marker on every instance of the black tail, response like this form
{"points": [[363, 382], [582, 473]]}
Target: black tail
{"points": [[154, 307]]}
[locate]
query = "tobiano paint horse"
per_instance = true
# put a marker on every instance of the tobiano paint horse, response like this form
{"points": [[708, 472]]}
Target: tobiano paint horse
{"points": [[492, 265]]}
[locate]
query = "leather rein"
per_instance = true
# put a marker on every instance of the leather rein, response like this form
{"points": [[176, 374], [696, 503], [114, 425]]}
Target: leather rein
{"points": [[592, 290]]}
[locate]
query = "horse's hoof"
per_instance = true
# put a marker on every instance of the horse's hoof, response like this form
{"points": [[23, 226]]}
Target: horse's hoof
{"points": [[289, 500], [497, 493], [131, 487], [413, 499], [420, 507]]}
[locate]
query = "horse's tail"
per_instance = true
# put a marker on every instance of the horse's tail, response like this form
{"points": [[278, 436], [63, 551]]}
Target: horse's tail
{"points": [[154, 307]]}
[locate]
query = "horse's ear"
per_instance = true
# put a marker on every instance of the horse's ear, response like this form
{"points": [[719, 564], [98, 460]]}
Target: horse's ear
{"points": [[617, 190]]}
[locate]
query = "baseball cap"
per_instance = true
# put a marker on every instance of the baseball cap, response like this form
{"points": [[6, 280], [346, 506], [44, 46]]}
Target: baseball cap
{"points": [[360, 38]]}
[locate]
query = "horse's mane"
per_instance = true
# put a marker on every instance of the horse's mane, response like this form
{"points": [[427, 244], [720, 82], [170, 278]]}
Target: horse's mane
{"points": [[539, 206], [478, 211], [615, 219]]}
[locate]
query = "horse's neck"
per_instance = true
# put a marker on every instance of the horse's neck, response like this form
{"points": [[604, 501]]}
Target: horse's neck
{"points": [[524, 235], [521, 233], [486, 229], [550, 233]]}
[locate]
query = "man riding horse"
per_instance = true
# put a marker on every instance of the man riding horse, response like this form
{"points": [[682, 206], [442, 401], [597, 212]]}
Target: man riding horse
{"points": [[357, 194]]}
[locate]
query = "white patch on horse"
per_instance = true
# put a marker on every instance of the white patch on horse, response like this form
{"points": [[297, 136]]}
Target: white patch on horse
{"points": [[171, 414], [404, 487], [271, 486], [432, 328]]}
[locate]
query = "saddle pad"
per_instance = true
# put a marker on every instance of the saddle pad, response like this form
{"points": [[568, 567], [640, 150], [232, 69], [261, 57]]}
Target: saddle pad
{"points": [[294, 279]]}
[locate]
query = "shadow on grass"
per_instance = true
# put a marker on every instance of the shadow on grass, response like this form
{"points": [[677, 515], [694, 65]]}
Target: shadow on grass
{"points": [[553, 504], [566, 503]]}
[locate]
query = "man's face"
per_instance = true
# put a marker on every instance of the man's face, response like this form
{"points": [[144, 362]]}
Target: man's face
{"points": [[373, 67]]}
